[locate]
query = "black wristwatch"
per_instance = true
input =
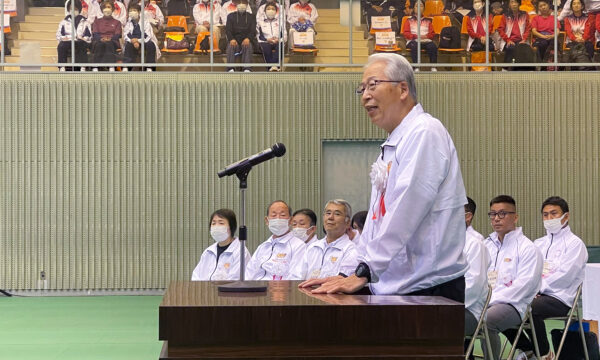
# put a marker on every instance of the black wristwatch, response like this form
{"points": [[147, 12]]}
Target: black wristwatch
{"points": [[362, 270]]}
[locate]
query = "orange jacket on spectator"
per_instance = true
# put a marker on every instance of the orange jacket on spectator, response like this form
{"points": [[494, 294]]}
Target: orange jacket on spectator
{"points": [[506, 26], [410, 28]]}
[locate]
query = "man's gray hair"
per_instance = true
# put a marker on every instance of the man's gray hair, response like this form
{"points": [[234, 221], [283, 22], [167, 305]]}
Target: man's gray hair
{"points": [[397, 68], [347, 206]]}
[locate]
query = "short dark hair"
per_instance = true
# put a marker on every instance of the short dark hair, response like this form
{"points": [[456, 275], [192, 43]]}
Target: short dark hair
{"points": [[470, 206], [77, 5], [558, 201], [279, 201], [225, 214], [519, 1], [359, 218], [308, 212], [134, 6], [105, 3], [540, 1], [268, 5], [503, 199]]}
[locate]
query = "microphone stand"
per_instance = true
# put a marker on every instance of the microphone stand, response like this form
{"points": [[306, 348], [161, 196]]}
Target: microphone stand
{"points": [[242, 285]]}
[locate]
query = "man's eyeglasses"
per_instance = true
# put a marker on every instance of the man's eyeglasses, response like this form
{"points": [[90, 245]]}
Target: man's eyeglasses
{"points": [[371, 85], [501, 214]]}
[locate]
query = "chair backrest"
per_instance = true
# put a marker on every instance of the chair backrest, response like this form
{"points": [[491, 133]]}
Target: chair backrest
{"points": [[440, 22], [463, 26], [433, 7], [496, 20], [402, 23], [177, 21]]}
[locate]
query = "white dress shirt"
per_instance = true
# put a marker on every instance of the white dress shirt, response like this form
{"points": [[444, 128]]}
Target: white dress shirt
{"points": [[518, 265], [228, 266], [414, 235], [323, 259], [274, 258], [476, 284], [565, 256]]}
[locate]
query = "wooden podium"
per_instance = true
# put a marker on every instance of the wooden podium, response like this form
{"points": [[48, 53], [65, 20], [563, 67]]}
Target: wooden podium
{"points": [[196, 321]]}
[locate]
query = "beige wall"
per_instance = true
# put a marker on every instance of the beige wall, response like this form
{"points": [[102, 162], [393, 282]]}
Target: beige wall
{"points": [[107, 181]]}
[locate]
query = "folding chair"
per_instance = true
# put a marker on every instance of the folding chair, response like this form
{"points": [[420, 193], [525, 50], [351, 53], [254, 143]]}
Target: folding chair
{"points": [[526, 323], [481, 331], [433, 7], [573, 315]]}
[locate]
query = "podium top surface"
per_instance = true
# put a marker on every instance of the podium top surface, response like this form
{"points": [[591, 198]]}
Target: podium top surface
{"points": [[281, 293]]}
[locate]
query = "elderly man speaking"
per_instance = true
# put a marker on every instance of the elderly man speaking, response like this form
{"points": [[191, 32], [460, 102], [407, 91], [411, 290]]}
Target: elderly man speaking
{"points": [[414, 236]]}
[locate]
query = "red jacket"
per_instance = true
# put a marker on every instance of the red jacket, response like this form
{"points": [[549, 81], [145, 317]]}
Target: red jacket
{"points": [[410, 28], [577, 23], [480, 31], [507, 21]]}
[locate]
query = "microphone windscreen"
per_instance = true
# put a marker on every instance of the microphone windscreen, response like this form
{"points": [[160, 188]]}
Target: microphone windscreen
{"points": [[278, 149]]}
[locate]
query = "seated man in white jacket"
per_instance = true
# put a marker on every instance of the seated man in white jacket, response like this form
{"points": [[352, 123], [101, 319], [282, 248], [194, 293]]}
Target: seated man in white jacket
{"points": [[335, 254], [515, 271], [478, 258], [565, 256], [274, 258], [221, 260]]}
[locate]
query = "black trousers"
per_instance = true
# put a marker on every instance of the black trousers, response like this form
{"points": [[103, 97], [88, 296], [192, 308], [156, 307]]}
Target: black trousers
{"points": [[453, 290], [429, 47], [270, 52], [543, 45], [64, 51], [131, 54], [542, 307], [104, 51]]}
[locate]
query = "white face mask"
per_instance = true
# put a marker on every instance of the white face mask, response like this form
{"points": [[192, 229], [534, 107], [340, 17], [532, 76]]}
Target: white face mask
{"points": [[478, 6], [107, 12], [134, 15], [241, 8], [301, 233], [554, 225], [219, 233], [271, 13], [279, 226]]}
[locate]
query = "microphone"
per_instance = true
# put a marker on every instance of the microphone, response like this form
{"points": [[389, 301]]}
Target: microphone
{"points": [[276, 150]]}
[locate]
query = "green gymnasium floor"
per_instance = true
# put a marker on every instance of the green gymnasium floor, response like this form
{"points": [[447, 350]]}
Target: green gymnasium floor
{"points": [[89, 327], [86, 327]]}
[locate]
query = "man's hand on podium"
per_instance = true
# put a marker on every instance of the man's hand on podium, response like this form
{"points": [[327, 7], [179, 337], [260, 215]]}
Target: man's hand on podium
{"points": [[336, 284]]}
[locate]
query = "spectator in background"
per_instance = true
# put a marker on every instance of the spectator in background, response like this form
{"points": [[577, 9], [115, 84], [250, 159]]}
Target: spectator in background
{"points": [[241, 29], [120, 12], [269, 32], [542, 27], [279, 254], [154, 15], [514, 29], [358, 221], [83, 36], [579, 29], [260, 13], [134, 37], [230, 7], [392, 8], [335, 253], [410, 34], [202, 17], [221, 260], [106, 34], [302, 17], [304, 225], [478, 26]]}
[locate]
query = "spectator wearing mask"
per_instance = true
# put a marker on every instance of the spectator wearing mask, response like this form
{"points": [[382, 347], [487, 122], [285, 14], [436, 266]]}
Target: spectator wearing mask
{"points": [[221, 260], [260, 13], [154, 15], [304, 225], [478, 26], [83, 36], [269, 33], [134, 38], [106, 33], [240, 29], [279, 254], [231, 7]]}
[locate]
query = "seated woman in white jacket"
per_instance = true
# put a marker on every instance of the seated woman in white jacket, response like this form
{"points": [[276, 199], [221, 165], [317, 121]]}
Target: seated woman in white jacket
{"points": [[221, 260]]}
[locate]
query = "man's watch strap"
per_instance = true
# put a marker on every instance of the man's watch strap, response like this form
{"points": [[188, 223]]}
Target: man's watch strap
{"points": [[363, 270]]}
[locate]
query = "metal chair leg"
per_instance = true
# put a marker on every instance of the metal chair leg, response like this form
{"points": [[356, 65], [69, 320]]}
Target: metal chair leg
{"points": [[585, 352], [536, 347], [513, 348]]}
